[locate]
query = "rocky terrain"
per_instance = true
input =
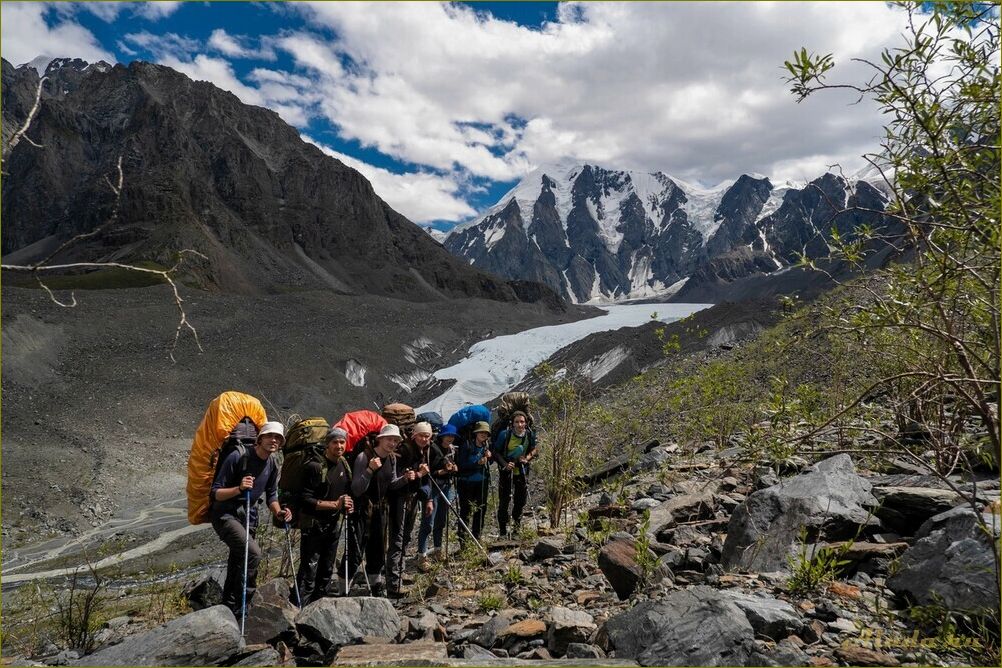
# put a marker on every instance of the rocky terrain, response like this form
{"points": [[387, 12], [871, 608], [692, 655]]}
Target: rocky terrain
{"points": [[686, 558], [96, 410]]}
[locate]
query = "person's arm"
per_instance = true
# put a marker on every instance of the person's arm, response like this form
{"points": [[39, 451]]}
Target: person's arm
{"points": [[314, 478], [499, 447], [271, 493], [362, 475], [221, 490], [530, 446], [398, 476]]}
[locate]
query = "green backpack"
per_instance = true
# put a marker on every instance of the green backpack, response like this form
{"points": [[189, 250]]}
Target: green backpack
{"points": [[304, 443]]}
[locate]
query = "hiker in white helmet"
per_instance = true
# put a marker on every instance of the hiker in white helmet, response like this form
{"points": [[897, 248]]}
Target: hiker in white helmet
{"points": [[244, 476]]}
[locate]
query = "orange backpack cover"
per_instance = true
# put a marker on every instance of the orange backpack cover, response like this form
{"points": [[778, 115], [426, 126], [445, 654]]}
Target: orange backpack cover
{"points": [[223, 414], [358, 424]]}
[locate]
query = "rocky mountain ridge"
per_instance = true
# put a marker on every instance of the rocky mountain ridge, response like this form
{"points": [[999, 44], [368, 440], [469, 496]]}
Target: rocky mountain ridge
{"points": [[595, 234], [204, 171]]}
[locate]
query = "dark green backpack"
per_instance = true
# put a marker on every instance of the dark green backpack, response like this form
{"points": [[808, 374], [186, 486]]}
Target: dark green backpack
{"points": [[304, 443]]}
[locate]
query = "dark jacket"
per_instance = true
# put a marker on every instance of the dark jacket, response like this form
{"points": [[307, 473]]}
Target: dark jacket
{"points": [[411, 459], [323, 481], [232, 471], [437, 459], [375, 486]]}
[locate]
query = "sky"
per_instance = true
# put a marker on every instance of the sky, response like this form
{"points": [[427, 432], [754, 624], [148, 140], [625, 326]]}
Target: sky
{"points": [[445, 106]]}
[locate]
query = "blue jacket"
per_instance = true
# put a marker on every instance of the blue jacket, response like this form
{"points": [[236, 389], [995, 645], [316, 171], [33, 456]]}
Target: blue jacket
{"points": [[466, 460]]}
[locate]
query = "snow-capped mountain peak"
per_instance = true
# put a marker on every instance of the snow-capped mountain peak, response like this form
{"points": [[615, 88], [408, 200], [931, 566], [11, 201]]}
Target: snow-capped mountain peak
{"points": [[599, 234]]}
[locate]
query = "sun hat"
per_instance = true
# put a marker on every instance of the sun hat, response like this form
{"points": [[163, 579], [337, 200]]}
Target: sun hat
{"points": [[272, 428], [481, 427], [421, 428], [389, 431]]}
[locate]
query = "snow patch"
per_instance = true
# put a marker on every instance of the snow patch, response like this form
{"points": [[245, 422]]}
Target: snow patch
{"points": [[601, 366], [354, 371], [495, 365], [409, 381], [419, 350]]}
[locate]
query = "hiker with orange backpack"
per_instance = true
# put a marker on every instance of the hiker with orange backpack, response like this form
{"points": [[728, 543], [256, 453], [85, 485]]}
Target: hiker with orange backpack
{"points": [[325, 500], [244, 476]]}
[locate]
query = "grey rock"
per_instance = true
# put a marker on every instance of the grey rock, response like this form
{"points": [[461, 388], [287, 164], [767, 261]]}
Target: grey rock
{"points": [[565, 626], [691, 627], [477, 653], [904, 509], [271, 615], [200, 638], [577, 650], [340, 621], [204, 593], [268, 656], [487, 635], [764, 529], [641, 505], [769, 617], [681, 508], [495, 559], [547, 548], [952, 563]]}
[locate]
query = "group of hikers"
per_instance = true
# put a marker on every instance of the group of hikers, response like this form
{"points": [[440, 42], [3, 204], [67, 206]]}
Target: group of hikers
{"points": [[363, 489]]}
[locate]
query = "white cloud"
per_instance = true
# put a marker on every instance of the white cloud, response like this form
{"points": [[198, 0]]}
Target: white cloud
{"points": [[26, 34], [235, 46], [155, 11], [166, 45], [694, 89], [420, 196]]}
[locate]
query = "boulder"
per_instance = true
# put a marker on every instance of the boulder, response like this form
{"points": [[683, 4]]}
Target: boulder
{"points": [[952, 562], [682, 508], [271, 616], [204, 593], [409, 654], [487, 634], [690, 627], [618, 561], [341, 621], [547, 548], [829, 499], [199, 638], [904, 509], [427, 626], [577, 650], [770, 617], [263, 656], [565, 626]]}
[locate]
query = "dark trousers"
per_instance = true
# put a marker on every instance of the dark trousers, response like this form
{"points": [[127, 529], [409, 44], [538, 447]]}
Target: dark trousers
{"points": [[472, 506], [233, 532], [507, 480], [384, 541], [398, 533], [318, 547]]}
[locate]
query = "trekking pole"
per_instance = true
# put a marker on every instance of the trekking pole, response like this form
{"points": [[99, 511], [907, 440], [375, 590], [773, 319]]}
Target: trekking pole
{"points": [[243, 604], [292, 565], [344, 541], [361, 561], [458, 517]]}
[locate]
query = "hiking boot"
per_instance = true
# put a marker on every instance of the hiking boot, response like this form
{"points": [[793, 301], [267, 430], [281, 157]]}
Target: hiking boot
{"points": [[424, 564], [398, 592]]}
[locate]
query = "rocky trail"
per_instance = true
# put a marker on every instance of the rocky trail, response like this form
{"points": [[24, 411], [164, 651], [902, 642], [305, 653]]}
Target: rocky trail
{"points": [[695, 559]]}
